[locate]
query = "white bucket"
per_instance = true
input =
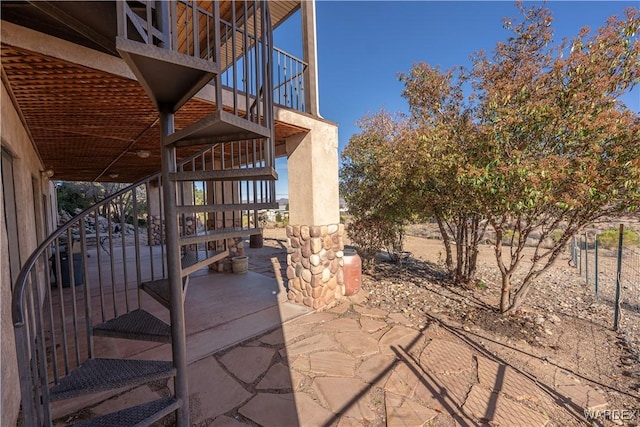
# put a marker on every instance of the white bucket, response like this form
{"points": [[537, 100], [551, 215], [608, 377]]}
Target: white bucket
{"points": [[240, 264]]}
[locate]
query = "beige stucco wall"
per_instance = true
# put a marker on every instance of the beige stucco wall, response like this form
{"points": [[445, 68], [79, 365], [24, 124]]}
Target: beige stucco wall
{"points": [[313, 171], [26, 166]]}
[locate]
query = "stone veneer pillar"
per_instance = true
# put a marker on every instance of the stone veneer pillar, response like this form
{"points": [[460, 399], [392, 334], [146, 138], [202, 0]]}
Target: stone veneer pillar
{"points": [[315, 261], [315, 237]]}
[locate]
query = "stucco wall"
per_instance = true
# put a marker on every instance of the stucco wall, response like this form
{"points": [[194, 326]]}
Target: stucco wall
{"points": [[313, 175], [26, 167]]}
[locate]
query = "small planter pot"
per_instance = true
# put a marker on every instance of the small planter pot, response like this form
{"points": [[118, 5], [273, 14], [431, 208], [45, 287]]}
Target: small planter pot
{"points": [[240, 264]]}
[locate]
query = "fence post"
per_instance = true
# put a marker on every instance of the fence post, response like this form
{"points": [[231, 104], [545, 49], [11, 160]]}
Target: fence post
{"points": [[586, 259], [596, 269], [580, 257], [616, 314]]}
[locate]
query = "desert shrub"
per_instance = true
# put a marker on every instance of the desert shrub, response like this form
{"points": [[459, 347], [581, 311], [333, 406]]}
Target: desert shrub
{"points": [[609, 239], [370, 235]]}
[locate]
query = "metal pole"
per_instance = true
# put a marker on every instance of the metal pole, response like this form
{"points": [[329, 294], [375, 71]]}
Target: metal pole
{"points": [[616, 315], [580, 258], [179, 341], [586, 258], [596, 268]]}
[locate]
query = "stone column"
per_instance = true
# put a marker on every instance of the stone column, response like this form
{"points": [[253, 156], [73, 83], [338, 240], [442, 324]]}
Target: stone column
{"points": [[315, 236]]}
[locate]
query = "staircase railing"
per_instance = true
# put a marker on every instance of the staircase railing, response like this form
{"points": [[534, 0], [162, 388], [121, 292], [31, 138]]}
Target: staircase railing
{"points": [[97, 260]]}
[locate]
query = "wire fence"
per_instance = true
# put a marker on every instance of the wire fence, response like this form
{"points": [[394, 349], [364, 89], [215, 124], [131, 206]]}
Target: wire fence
{"points": [[613, 269]]}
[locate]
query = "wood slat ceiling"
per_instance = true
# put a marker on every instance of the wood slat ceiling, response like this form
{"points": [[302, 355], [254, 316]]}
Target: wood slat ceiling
{"points": [[87, 124]]}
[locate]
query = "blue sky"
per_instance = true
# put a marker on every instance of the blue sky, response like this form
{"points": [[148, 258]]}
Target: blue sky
{"points": [[363, 45]]}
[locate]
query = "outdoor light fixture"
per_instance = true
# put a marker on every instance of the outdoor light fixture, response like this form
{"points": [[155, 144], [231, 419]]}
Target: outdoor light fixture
{"points": [[143, 154], [113, 175], [47, 173]]}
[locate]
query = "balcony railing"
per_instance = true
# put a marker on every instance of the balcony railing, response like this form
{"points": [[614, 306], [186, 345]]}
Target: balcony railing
{"points": [[289, 75]]}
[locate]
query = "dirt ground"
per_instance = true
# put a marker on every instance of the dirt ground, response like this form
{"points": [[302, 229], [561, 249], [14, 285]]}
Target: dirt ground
{"points": [[560, 327]]}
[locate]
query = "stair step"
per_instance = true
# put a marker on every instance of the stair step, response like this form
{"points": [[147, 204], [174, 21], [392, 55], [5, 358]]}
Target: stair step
{"points": [[135, 325], [222, 207], [136, 416], [219, 234], [169, 78], [205, 258], [220, 126], [159, 289], [96, 375], [243, 174]]}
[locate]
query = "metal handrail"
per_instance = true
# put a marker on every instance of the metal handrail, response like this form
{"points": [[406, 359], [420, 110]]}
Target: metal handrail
{"points": [[18, 292]]}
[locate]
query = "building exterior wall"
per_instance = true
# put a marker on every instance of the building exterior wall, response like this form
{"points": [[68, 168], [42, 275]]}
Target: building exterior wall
{"points": [[26, 168]]}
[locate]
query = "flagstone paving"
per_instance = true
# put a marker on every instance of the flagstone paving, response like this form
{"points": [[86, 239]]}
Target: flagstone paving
{"points": [[356, 366]]}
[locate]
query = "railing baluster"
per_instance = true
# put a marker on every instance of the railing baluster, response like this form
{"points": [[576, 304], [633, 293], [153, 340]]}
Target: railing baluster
{"points": [[62, 308], [52, 328], [98, 258], [111, 261], [136, 242], [33, 351], [87, 289], [162, 226], [41, 347], [123, 250], [74, 306]]}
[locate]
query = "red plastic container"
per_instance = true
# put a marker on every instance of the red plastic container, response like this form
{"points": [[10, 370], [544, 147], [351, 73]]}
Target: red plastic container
{"points": [[352, 271]]}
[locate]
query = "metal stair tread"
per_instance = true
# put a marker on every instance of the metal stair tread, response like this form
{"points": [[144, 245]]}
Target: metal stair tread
{"points": [[217, 127], [219, 234], [96, 375], [257, 173], [159, 290], [135, 416], [157, 69], [205, 258], [135, 325]]}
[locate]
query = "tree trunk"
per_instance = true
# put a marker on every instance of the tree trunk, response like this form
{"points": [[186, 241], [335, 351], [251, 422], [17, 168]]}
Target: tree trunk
{"points": [[459, 248], [447, 243], [506, 292]]}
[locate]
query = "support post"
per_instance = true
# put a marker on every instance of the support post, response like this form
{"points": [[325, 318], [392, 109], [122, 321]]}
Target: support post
{"points": [[616, 314], [309, 55], [178, 334], [596, 268], [586, 258]]}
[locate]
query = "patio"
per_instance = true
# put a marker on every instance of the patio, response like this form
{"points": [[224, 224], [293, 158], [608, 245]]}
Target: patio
{"points": [[255, 359]]}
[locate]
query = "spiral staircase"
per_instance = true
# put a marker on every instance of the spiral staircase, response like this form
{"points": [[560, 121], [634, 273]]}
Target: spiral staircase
{"points": [[174, 49]]}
